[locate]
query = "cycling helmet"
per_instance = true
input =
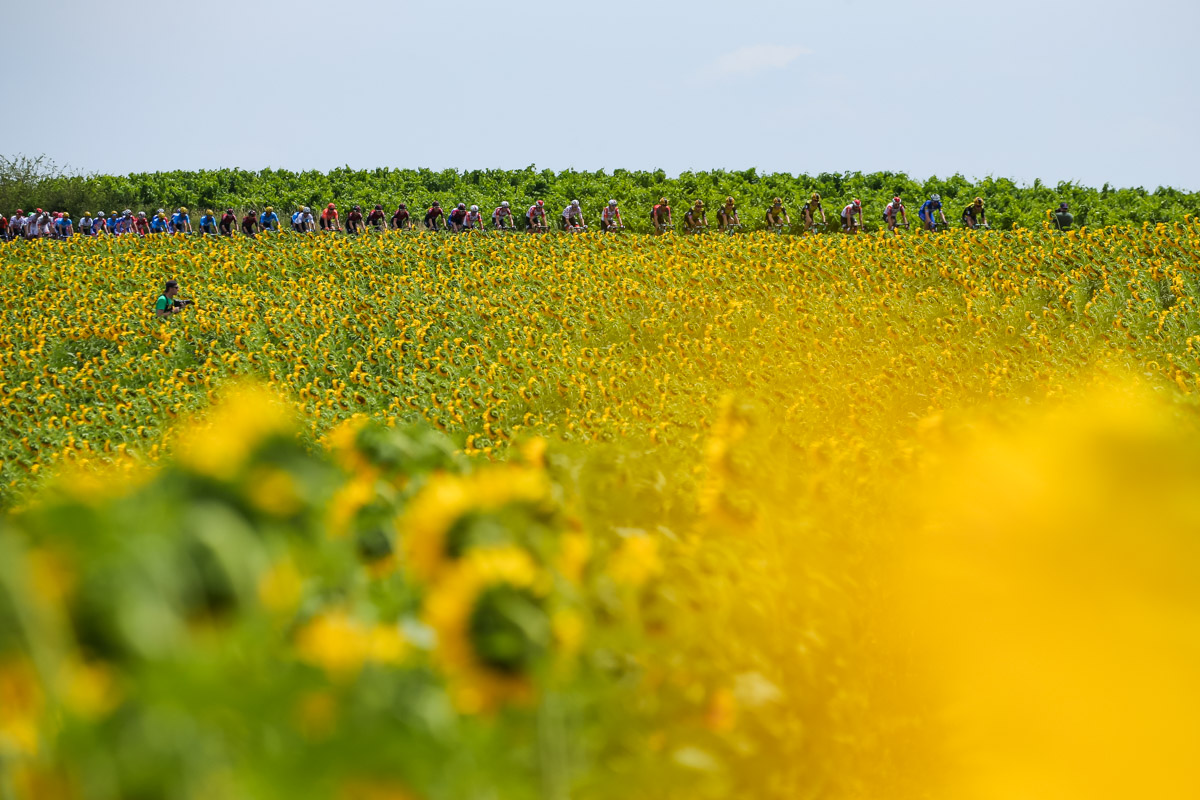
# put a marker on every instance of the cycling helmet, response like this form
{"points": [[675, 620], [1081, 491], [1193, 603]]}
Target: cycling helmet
{"points": [[99, 213], [662, 201], [474, 208], [402, 205], [504, 204], [541, 202], [207, 211], [816, 196], [574, 204], [19, 211], [129, 213], [978, 201], [306, 210], [462, 205], [436, 204], [896, 200], [857, 202], [729, 200], [161, 211], [183, 209], [699, 204], [329, 206], [162, 215], [269, 208], [358, 208], [378, 207], [937, 198], [777, 201], [612, 203], [141, 215], [84, 214]]}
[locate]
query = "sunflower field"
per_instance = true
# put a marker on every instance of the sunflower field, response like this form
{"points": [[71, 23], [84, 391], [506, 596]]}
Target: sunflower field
{"points": [[506, 516]]}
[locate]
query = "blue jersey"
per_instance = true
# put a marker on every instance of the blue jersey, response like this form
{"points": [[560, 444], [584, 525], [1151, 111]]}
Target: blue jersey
{"points": [[208, 221], [179, 220], [269, 220], [158, 225], [927, 209]]}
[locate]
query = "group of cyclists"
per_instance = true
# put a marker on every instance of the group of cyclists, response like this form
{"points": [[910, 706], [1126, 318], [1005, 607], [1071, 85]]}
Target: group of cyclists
{"points": [[461, 218]]}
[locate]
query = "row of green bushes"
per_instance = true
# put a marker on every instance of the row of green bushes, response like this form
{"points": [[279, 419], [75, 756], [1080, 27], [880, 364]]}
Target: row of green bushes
{"points": [[26, 183]]}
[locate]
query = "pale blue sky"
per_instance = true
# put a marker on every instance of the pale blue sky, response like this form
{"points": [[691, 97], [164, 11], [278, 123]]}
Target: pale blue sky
{"points": [[1068, 90]]}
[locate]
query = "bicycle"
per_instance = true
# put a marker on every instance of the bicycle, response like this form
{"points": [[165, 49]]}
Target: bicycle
{"points": [[730, 228], [696, 230], [610, 228], [576, 229]]}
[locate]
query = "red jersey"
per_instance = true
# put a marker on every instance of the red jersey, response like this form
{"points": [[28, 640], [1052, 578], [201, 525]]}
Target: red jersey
{"points": [[660, 211]]}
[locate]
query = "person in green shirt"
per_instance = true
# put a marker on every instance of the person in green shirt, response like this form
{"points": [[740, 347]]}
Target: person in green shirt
{"points": [[167, 304], [1063, 218]]}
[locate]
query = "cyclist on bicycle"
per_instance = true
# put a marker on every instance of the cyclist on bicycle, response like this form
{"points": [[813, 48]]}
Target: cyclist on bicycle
{"points": [[249, 223], [973, 215], [610, 217], [695, 217], [660, 216], [354, 220], [777, 215], [401, 220], [727, 215], [893, 210], [572, 216], [502, 217], [928, 210], [268, 220], [180, 222], [329, 219], [432, 215], [227, 224], [143, 224], [208, 223], [810, 210], [849, 224], [536, 216], [457, 218], [474, 220], [375, 219]]}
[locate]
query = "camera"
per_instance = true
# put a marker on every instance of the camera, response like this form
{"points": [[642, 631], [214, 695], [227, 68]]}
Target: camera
{"points": [[183, 303]]}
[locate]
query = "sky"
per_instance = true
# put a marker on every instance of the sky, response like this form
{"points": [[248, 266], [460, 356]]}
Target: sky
{"points": [[1064, 90]]}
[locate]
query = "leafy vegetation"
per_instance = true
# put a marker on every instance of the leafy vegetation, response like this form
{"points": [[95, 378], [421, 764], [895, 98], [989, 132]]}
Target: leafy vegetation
{"points": [[35, 182]]}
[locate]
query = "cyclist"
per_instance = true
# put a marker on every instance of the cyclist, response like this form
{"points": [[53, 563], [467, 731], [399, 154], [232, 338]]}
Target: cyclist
{"points": [[610, 217], [250, 222], [928, 210], [457, 218], [502, 218], [572, 217], [354, 220], [474, 220], [401, 220], [268, 220], [85, 224], [973, 215], [695, 217], [849, 224], [160, 224], [1063, 218], [660, 216], [810, 210], [62, 226], [208, 223], [536, 216], [777, 215], [329, 219], [893, 210], [727, 215], [432, 215], [180, 222], [296, 215], [376, 218], [227, 223], [128, 223], [142, 224]]}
